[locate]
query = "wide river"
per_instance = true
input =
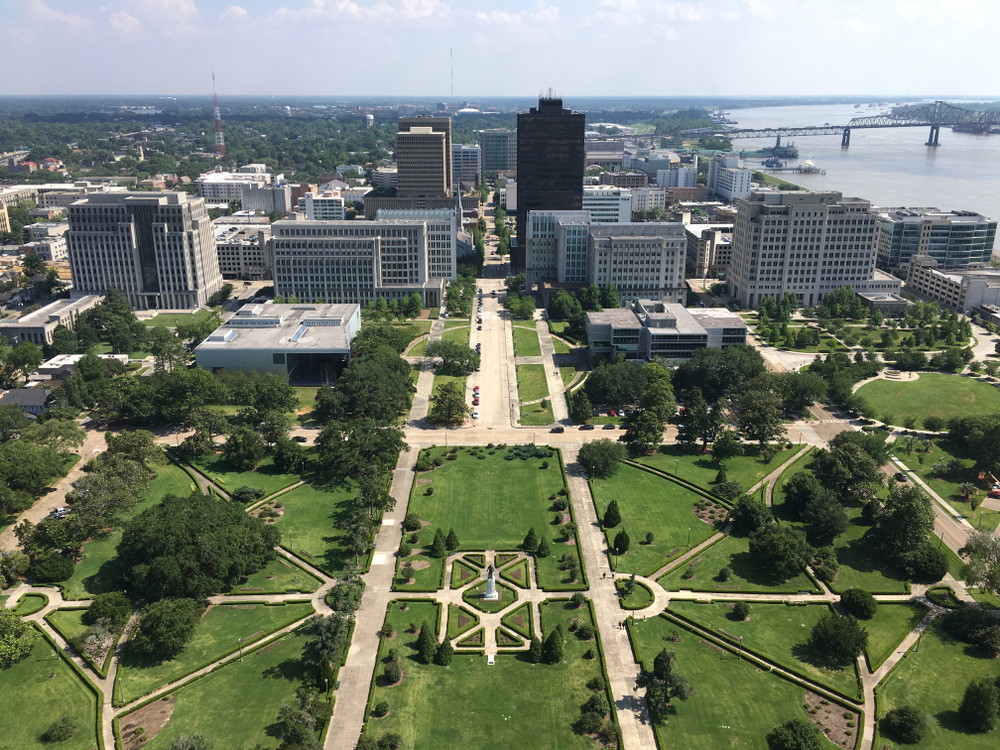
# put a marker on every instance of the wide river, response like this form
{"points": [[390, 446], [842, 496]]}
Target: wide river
{"points": [[888, 166]]}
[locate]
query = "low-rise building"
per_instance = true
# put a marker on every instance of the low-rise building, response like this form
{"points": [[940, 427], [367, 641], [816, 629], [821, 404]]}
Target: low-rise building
{"points": [[677, 177], [50, 249], [325, 206], [228, 186], [709, 249], [629, 180], [65, 364], [961, 291], [272, 198], [889, 304], [650, 328], [37, 327], [308, 344], [385, 177], [30, 400], [45, 229], [648, 198], [955, 239], [244, 251], [606, 204]]}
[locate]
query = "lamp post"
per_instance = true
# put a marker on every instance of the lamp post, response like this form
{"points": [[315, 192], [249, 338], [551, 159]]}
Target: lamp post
{"points": [[240, 641], [327, 681], [121, 695], [689, 536], [677, 462], [740, 655]]}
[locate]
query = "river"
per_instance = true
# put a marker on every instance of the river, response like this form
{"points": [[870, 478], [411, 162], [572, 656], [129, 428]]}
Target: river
{"points": [[888, 166]]}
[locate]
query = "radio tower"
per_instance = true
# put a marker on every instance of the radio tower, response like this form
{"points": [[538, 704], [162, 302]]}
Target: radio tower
{"points": [[220, 140]]}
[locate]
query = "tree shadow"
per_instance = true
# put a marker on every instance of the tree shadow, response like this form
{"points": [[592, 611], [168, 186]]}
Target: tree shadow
{"points": [[807, 655], [743, 566], [291, 670]]}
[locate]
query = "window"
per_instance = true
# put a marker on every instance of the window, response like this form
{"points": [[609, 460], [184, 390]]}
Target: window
{"points": [[278, 358]]}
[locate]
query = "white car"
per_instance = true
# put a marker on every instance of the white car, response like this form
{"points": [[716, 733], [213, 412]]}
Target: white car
{"points": [[475, 414]]}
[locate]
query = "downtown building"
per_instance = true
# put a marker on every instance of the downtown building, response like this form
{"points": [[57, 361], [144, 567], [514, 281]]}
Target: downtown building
{"points": [[728, 178], [956, 240], [499, 149], [606, 204], [158, 249], [550, 159], [805, 242], [468, 164]]}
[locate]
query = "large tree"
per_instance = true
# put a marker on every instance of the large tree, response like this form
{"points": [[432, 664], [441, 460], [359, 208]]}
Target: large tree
{"points": [[448, 405], [983, 551], [902, 526], [718, 372], [796, 734], [456, 358], [601, 458], [658, 398], [839, 640], [17, 638], [244, 448], [579, 407], [645, 431], [348, 448], [758, 416], [826, 518], [165, 627], [663, 683], [779, 550], [846, 470], [193, 546], [699, 421]]}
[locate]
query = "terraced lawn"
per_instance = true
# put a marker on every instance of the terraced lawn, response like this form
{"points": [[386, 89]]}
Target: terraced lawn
{"points": [[312, 524], [700, 469], [932, 394]]}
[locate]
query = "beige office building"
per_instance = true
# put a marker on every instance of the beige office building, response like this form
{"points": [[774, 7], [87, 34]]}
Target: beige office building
{"points": [[426, 175]]}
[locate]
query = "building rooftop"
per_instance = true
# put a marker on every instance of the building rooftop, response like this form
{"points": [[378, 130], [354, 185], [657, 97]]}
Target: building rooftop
{"points": [[617, 318], [930, 213], [883, 297], [292, 328], [55, 309], [717, 317], [25, 397], [698, 229], [666, 315]]}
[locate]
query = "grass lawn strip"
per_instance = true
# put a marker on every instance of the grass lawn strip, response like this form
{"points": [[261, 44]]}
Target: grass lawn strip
{"points": [[440, 378], [531, 382], [932, 394], [732, 552], [642, 595], [933, 681], [31, 603], [507, 639], [460, 335], [567, 373], [526, 342], [462, 575], [518, 574], [312, 525], [34, 692], [887, 629], [419, 349], [650, 503], [460, 620], [561, 347], [241, 700], [172, 320], [520, 621], [427, 572], [437, 707], [699, 468], [533, 415], [734, 705], [265, 476], [215, 636], [777, 632], [279, 576]]}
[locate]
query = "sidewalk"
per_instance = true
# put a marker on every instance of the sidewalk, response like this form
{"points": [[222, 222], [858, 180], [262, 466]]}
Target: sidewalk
{"points": [[560, 411]]}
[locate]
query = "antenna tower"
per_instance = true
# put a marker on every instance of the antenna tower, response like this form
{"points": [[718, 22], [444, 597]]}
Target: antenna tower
{"points": [[451, 59], [220, 140]]}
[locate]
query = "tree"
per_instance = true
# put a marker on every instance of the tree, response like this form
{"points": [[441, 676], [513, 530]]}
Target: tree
{"points": [[168, 349], [801, 390], [426, 643], [32, 264], [445, 653], [244, 449], [347, 449], [601, 458], [718, 372], [64, 341], [564, 306], [905, 724], [727, 446], [663, 684], [193, 546], [24, 465], [859, 603], [741, 611], [645, 432], [978, 709], [845, 469], [902, 526], [983, 569], [758, 416], [750, 514], [840, 640], [51, 567], [609, 296], [25, 358], [553, 648], [438, 547], [535, 650], [113, 606], [612, 516], [795, 734], [515, 284], [456, 358], [17, 638], [543, 548], [289, 456], [530, 543], [580, 409], [658, 399], [451, 543], [448, 405], [622, 542], [165, 627], [826, 518], [329, 638], [779, 550], [699, 421]]}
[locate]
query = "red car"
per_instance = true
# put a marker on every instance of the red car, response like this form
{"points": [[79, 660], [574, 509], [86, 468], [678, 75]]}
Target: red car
{"points": [[612, 413], [476, 388]]}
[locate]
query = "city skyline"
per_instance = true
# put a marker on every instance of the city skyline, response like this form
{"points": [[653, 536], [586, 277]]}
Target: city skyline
{"points": [[544, 44]]}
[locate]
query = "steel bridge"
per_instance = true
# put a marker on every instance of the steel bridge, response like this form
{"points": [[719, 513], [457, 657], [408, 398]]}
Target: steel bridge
{"points": [[934, 115]]}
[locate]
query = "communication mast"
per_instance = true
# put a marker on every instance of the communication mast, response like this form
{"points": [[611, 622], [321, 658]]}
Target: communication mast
{"points": [[220, 140]]}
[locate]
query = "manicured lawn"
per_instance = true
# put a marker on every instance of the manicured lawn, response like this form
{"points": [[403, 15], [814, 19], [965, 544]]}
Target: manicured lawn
{"points": [[240, 701], [650, 503], [526, 342], [699, 468], [777, 632], [920, 462], [214, 637], [462, 574], [30, 603], [449, 324], [277, 577], [307, 397], [533, 415], [531, 383], [312, 524], [424, 579], [460, 620], [517, 574], [887, 629], [419, 348], [520, 620], [265, 476], [99, 571], [172, 320], [440, 378], [70, 623], [932, 394], [459, 335], [473, 597], [732, 552], [105, 348], [34, 692], [734, 706], [567, 373], [933, 681], [561, 347], [512, 704], [641, 596]]}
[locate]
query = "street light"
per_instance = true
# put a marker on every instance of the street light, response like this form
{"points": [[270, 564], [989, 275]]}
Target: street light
{"points": [[327, 681], [121, 695], [740, 655], [689, 536]]}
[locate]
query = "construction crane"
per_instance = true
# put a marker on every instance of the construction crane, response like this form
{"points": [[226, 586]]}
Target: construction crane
{"points": [[220, 139]]}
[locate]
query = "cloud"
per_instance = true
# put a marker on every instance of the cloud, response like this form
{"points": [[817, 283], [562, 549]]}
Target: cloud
{"points": [[42, 12], [234, 13], [423, 9], [759, 8], [185, 9], [127, 26], [541, 15]]}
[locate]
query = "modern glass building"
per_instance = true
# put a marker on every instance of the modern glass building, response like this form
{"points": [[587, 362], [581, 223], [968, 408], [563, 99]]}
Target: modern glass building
{"points": [[957, 240]]}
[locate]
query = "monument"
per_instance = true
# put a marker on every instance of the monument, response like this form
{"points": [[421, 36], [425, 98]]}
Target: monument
{"points": [[491, 594]]}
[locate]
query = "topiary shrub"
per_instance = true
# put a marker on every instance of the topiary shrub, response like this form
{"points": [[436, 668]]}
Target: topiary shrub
{"points": [[725, 574], [393, 672], [585, 632], [578, 600], [411, 522], [904, 724], [741, 611], [380, 709], [597, 704], [590, 723]]}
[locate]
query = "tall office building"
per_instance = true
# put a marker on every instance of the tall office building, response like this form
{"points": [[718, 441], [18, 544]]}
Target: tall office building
{"points": [[550, 158], [957, 240], [499, 147], [424, 163], [437, 125], [804, 242], [468, 163], [727, 177], [156, 248]]}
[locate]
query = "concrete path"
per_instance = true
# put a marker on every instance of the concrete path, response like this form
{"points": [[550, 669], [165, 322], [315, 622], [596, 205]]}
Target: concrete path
{"points": [[560, 411]]}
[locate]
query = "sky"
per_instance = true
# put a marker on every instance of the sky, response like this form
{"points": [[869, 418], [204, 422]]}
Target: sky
{"points": [[503, 48]]}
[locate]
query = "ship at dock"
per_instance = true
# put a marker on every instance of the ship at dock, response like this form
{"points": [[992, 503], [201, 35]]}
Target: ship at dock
{"points": [[975, 129], [787, 151]]}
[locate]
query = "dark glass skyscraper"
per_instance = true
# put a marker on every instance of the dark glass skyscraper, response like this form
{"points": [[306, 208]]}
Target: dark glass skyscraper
{"points": [[550, 159]]}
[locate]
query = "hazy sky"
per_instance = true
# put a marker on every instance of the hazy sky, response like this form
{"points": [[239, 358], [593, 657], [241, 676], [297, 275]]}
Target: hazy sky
{"points": [[509, 48]]}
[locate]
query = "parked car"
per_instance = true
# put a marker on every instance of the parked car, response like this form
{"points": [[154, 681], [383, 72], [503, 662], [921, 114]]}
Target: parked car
{"points": [[609, 427], [558, 430], [479, 328], [587, 427], [901, 477], [475, 414], [300, 438], [612, 412]]}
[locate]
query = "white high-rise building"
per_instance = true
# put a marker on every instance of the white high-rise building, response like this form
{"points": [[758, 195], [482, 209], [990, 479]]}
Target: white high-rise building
{"points": [[608, 204], [679, 177], [467, 162], [646, 199], [728, 179], [158, 249], [327, 206], [443, 226], [805, 242]]}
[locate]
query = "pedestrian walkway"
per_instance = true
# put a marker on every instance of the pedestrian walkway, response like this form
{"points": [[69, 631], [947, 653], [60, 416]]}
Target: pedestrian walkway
{"points": [[560, 412]]}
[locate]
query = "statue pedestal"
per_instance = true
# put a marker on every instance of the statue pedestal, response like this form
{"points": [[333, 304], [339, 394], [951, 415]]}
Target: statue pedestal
{"points": [[491, 594], [488, 597]]}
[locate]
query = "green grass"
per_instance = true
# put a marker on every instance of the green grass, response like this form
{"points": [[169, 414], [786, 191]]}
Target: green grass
{"points": [[31, 603], [172, 320], [312, 524], [290, 578], [465, 705], [526, 342], [734, 706], [699, 468], [469, 618], [307, 397], [777, 632], [426, 579], [440, 378], [533, 415], [567, 373], [457, 568], [523, 579], [561, 347], [215, 636], [887, 629], [932, 394], [240, 701], [525, 627], [732, 552], [531, 382], [71, 623], [473, 597], [32, 700], [265, 476], [419, 349], [642, 595], [100, 571], [459, 335], [933, 681], [650, 503], [449, 324], [105, 348]]}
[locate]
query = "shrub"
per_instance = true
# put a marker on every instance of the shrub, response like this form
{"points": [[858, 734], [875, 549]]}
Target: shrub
{"points": [[393, 672], [905, 724], [725, 573], [389, 741], [978, 709], [591, 723], [728, 490], [411, 522], [597, 684], [445, 653], [689, 573], [387, 630], [405, 549], [859, 603], [589, 654], [545, 464], [113, 606], [741, 611], [405, 573], [392, 655], [429, 491], [612, 516], [927, 563], [560, 503], [381, 708], [247, 494], [61, 729], [578, 600], [841, 640], [597, 704], [585, 632], [825, 564], [543, 548], [649, 537], [610, 734], [51, 567]]}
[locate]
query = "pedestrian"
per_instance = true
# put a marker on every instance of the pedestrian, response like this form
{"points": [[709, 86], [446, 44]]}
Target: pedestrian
{"points": [[604, 574]]}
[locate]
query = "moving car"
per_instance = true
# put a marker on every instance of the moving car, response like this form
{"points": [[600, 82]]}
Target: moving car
{"points": [[609, 427], [558, 430], [901, 477]]}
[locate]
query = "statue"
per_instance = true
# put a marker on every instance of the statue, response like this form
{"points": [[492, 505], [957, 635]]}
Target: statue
{"points": [[491, 594]]}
